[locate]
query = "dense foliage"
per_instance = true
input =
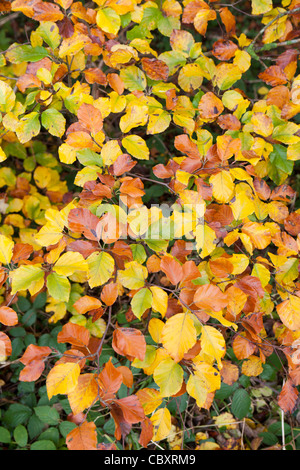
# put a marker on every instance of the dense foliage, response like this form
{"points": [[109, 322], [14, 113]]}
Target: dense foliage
{"points": [[149, 241]]}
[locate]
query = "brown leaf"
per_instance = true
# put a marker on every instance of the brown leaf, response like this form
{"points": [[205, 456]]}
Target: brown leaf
{"points": [[224, 49]]}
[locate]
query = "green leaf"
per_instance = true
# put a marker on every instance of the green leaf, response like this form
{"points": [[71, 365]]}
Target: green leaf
{"points": [[141, 301], [134, 78], [54, 122], [18, 53], [21, 435], [29, 126], [43, 445], [17, 414], [59, 287], [4, 435], [47, 414], [279, 166], [241, 402]]}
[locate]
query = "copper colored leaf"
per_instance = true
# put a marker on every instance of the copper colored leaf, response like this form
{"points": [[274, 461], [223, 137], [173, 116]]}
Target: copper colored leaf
{"points": [[210, 297], [83, 221], [273, 76], [8, 316], [129, 342], [288, 397], [83, 437], [155, 69], [76, 335], [172, 269]]}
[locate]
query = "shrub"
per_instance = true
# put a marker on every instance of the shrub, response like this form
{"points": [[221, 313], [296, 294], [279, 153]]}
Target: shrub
{"points": [[149, 243]]}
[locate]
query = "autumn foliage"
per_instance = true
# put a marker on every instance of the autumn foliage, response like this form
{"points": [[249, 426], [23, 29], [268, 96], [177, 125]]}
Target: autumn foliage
{"points": [[148, 189]]}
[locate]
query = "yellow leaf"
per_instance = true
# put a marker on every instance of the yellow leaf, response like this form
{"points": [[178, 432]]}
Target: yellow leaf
{"points": [[101, 266], [62, 379], [136, 115], [133, 276], [69, 263], [242, 206], [168, 375], [252, 366], [212, 343], [136, 146], [6, 249], [155, 328], [161, 421], [29, 277], [179, 335], [110, 152], [84, 394], [160, 300], [108, 20], [223, 186]]}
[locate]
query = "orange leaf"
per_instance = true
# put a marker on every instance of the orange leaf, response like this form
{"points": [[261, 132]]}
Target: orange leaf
{"points": [[172, 269], [90, 117], [8, 316], [84, 437], [109, 293], [76, 335], [210, 297], [287, 398], [5, 345], [129, 342], [86, 303]]}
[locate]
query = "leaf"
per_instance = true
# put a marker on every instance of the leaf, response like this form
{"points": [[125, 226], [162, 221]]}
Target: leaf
{"points": [[136, 146], [240, 405], [69, 263], [288, 396], [261, 6], [213, 344], [223, 186], [289, 312], [29, 277], [161, 421], [108, 20], [252, 367], [59, 287], [133, 78], [26, 53], [7, 97], [28, 127], [133, 276], [85, 393], [54, 122], [172, 269], [76, 335], [159, 300], [178, 335], [150, 398], [101, 266], [129, 342], [62, 379], [168, 375], [141, 301], [210, 297], [83, 437], [8, 316]]}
